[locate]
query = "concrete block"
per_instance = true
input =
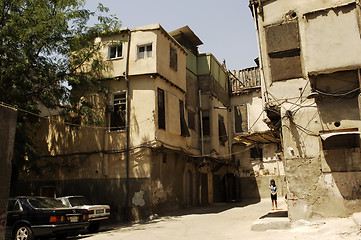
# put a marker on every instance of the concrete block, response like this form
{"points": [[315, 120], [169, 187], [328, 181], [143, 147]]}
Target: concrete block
{"points": [[357, 219], [271, 224]]}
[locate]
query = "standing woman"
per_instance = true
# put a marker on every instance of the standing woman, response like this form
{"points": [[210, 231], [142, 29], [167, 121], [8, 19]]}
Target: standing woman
{"points": [[273, 189]]}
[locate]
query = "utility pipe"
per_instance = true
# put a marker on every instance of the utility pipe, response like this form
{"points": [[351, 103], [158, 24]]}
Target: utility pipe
{"points": [[127, 128]]}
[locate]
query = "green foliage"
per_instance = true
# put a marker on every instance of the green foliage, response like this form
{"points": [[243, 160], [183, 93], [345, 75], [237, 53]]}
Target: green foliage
{"points": [[44, 45]]}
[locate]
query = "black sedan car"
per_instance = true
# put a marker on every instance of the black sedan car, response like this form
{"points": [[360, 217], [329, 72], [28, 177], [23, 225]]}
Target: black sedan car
{"points": [[30, 217]]}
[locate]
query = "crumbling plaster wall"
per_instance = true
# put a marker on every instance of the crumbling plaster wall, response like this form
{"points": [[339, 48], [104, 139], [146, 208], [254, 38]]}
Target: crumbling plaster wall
{"points": [[254, 103], [255, 174], [315, 188]]}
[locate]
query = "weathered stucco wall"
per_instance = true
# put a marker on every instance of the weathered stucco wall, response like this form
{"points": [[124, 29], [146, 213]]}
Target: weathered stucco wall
{"points": [[178, 77], [255, 174], [141, 37], [192, 106], [332, 39], [174, 182], [274, 11], [172, 133], [254, 103], [117, 66], [215, 144], [308, 165], [320, 183]]}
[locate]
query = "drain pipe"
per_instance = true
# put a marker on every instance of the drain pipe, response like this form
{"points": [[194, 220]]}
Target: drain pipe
{"points": [[127, 128], [202, 140], [201, 121]]}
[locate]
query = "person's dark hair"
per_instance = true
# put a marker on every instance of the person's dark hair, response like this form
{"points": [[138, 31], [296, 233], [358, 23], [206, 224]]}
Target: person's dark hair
{"points": [[273, 181]]}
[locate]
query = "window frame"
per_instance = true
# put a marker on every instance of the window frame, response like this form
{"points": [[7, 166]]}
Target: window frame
{"points": [[116, 51], [161, 117], [173, 58], [222, 139], [183, 124], [244, 119], [287, 55], [146, 52], [191, 120], [124, 103], [16, 203], [206, 122]]}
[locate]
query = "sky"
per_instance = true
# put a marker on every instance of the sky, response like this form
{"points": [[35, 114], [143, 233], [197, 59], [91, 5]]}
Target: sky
{"points": [[226, 27]]}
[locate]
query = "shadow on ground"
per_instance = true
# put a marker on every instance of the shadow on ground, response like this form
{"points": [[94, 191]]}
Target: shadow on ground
{"points": [[214, 208], [275, 214]]}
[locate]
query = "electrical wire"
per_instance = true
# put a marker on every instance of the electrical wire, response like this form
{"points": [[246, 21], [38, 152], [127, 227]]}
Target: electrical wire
{"points": [[68, 123], [336, 94], [114, 151], [256, 119]]}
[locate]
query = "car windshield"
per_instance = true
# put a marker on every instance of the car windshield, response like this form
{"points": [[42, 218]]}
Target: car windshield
{"points": [[78, 201], [45, 203]]}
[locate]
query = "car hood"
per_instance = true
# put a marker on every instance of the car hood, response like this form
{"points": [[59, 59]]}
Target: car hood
{"points": [[92, 207]]}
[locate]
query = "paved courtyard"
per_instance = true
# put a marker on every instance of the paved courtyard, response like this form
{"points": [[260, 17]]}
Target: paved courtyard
{"points": [[229, 221]]}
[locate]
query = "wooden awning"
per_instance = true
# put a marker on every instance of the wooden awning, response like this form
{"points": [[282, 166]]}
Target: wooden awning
{"points": [[268, 136]]}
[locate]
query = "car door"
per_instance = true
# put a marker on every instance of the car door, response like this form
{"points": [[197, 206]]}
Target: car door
{"points": [[14, 213]]}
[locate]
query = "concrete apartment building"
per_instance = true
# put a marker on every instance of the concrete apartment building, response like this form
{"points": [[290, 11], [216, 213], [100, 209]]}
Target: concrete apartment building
{"points": [[164, 139], [310, 68]]}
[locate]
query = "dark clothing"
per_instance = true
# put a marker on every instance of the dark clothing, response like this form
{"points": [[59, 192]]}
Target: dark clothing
{"points": [[274, 197]]}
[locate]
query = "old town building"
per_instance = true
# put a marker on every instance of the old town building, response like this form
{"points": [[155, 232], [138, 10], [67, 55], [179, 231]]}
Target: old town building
{"points": [[310, 69]]}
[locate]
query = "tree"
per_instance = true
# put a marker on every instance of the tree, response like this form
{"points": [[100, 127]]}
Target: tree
{"points": [[37, 40]]}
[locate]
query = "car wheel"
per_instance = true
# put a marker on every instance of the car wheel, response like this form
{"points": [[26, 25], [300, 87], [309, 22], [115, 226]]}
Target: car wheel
{"points": [[23, 233], [94, 227]]}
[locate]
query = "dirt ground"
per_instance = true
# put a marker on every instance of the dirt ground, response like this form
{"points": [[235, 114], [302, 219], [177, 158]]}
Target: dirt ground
{"points": [[229, 221]]}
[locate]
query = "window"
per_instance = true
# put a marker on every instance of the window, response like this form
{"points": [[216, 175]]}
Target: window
{"points": [[183, 124], [222, 132], [115, 51], [118, 113], [164, 158], [240, 119], [206, 124], [191, 120], [161, 109], [14, 205], [173, 58], [256, 152], [145, 51], [283, 47]]}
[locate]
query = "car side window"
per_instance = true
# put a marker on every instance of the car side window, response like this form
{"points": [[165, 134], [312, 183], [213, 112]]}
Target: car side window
{"points": [[14, 205], [17, 206]]}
